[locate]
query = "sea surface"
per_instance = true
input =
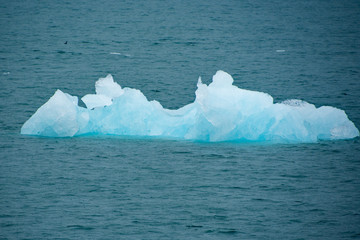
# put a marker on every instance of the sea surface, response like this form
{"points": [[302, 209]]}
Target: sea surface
{"points": [[144, 188]]}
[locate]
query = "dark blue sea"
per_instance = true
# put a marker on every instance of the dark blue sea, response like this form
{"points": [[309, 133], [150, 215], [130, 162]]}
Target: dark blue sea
{"points": [[108, 187]]}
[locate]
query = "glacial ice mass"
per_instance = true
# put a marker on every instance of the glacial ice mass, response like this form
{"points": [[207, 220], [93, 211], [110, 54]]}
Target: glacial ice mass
{"points": [[220, 112]]}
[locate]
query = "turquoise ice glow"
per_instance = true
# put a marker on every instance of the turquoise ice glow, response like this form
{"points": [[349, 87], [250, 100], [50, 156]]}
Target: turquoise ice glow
{"points": [[220, 112]]}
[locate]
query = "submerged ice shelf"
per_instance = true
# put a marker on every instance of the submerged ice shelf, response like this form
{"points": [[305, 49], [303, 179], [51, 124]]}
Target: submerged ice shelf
{"points": [[220, 112]]}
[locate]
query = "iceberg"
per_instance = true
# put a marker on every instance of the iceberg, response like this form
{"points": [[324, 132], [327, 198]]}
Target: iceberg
{"points": [[220, 112]]}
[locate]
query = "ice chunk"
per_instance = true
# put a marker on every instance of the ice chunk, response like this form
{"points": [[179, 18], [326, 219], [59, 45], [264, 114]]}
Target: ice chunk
{"points": [[106, 90], [222, 79], [220, 112], [96, 100], [107, 87], [57, 117], [227, 107]]}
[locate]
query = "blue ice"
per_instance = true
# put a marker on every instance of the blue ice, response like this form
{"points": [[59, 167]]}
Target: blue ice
{"points": [[220, 112]]}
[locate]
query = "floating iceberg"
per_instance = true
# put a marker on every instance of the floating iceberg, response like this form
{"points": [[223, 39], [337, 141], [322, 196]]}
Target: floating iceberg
{"points": [[220, 112]]}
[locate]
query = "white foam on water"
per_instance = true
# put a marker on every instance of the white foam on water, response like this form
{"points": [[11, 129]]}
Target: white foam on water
{"points": [[220, 112]]}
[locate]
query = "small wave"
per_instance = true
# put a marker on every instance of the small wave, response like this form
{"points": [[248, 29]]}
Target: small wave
{"points": [[80, 227], [122, 54]]}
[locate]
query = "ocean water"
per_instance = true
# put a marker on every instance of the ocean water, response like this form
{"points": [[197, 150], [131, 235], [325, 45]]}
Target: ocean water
{"points": [[144, 188]]}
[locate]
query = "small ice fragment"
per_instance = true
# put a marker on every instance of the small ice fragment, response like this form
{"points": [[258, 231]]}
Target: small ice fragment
{"points": [[280, 50], [295, 103], [122, 54]]}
